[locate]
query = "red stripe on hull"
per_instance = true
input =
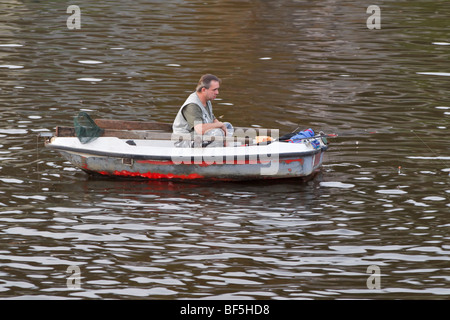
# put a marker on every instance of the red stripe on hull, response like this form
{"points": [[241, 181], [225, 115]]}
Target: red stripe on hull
{"points": [[293, 160], [152, 175]]}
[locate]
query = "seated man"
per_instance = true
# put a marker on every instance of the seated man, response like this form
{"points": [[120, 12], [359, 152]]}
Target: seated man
{"points": [[196, 115]]}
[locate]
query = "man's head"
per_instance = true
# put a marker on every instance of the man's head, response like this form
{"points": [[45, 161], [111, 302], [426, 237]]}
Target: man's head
{"points": [[208, 85]]}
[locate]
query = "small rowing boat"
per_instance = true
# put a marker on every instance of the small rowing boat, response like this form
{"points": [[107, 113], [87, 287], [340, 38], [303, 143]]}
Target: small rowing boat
{"points": [[146, 150]]}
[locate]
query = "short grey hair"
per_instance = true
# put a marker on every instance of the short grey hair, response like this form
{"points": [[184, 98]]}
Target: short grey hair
{"points": [[205, 81]]}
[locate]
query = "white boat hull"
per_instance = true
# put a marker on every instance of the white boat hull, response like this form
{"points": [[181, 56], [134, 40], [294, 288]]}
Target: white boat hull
{"points": [[146, 159]]}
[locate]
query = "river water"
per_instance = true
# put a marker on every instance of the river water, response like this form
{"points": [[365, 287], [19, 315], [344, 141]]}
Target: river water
{"points": [[373, 224]]}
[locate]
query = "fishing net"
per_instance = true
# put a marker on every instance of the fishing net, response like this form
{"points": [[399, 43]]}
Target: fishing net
{"points": [[85, 128]]}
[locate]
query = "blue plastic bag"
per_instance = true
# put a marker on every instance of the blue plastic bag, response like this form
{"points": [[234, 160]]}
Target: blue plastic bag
{"points": [[302, 135]]}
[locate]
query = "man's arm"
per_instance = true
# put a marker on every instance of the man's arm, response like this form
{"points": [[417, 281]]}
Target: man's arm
{"points": [[201, 128], [193, 116]]}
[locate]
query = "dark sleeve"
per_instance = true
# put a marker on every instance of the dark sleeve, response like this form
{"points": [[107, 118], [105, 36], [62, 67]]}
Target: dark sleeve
{"points": [[192, 113]]}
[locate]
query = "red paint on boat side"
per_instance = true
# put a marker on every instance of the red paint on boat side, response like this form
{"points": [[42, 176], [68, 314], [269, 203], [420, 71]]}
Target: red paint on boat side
{"points": [[84, 163], [293, 160], [151, 175], [248, 162]]}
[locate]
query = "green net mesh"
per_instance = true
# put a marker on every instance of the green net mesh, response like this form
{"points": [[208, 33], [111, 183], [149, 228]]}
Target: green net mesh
{"points": [[85, 128]]}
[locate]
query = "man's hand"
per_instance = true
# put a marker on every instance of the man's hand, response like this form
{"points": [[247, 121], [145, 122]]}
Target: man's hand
{"points": [[222, 126], [203, 127]]}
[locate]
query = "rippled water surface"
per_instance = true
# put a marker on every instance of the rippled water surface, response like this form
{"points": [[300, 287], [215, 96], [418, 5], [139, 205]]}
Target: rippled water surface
{"points": [[381, 198]]}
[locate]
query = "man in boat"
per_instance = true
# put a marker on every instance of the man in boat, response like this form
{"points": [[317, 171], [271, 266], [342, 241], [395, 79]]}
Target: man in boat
{"points": [[196, 117]]}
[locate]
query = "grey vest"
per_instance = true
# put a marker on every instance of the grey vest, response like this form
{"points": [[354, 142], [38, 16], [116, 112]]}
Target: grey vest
{"points": [[180, 124]]}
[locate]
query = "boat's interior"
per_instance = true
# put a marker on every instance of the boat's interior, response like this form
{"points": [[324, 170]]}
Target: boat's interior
{"points": [[157, 131]]}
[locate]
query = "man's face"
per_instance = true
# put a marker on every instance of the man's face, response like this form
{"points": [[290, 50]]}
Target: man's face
{"points": [[213, 90]]}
